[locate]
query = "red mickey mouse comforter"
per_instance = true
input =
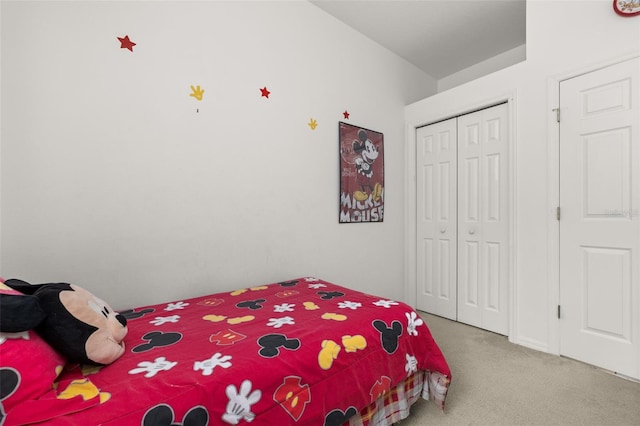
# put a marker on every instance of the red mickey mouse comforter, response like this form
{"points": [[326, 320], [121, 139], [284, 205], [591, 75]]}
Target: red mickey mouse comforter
{"points": [[303, 351]]}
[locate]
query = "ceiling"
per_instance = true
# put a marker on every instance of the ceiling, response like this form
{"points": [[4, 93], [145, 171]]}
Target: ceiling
{"points": [[439, 37]]}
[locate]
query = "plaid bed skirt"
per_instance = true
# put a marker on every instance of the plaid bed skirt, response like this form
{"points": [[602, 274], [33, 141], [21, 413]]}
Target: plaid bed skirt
{"points": [[395, 405]]}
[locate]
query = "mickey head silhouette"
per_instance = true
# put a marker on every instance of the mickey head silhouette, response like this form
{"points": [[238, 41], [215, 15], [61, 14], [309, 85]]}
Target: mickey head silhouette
{"points": [[132, 314], [389, 335], [328, 295], [338, 417], [271, 342], [251, 304], [163, 415], [156, 339]]}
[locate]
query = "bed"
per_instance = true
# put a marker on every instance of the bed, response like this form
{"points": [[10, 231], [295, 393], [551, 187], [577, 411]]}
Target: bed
{"points": [[302, 351]]}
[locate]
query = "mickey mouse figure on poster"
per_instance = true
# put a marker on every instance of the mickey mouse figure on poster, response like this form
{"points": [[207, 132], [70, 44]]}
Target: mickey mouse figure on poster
{"points": [[368, 153]]}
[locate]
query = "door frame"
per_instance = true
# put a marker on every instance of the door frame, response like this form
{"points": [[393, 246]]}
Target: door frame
{"points": [[410, 264], [553, 191]]}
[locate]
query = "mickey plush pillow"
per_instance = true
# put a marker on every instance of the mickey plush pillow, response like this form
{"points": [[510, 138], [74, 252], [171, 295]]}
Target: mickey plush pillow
{"points": [[28, 365], [41, 327], [80, 326]]}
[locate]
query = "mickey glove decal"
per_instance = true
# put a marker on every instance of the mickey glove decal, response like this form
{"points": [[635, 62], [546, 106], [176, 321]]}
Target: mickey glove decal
{"points": [[208, 365], [164, 320], [279, 322], [152, 368], [412, 364], [385, 303], [413, 322], [239, 405], [176, 305], [349, 305]]}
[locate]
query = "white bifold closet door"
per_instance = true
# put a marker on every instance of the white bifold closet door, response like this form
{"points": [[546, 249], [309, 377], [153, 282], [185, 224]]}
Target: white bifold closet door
{"points": [[463, 218]]}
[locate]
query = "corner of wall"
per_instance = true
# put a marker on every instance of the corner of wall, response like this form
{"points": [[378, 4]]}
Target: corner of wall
{"points": [[496, 63]]}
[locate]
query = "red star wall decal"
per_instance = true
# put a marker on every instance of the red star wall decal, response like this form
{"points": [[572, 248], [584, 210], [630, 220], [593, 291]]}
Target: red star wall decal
{"points": [[125, 43], [346, 114], [265, 92]]}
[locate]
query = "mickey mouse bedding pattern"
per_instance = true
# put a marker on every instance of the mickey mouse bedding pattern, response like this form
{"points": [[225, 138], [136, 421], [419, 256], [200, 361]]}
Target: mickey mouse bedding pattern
{"points": [[303, 351]]}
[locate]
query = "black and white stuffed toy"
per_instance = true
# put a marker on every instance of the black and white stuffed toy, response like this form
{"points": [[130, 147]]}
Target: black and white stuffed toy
{"points": [[78, 325]]}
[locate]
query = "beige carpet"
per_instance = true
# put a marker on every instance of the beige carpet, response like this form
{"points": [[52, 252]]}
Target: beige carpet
{"points": [[498, 383]]}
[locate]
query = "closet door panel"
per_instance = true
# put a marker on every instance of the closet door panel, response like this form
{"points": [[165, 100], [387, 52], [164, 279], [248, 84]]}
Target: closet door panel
{"points": [[483, 219], [436, 183]]}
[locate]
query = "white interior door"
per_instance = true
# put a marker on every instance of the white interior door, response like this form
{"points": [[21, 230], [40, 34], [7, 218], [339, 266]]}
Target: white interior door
{"points": [[437, 218], [483, 219], [463, 218], [600, 218]]}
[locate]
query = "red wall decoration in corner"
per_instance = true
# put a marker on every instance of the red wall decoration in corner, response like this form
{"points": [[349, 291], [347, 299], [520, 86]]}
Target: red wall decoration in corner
{"points": [[627, 8]]}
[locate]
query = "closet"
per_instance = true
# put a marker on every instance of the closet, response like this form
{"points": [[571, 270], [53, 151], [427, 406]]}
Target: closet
{"points": [[463, 218]]}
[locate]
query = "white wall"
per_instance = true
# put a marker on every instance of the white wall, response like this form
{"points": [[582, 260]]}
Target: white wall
{"points": [[563, 37], [112, 180]]}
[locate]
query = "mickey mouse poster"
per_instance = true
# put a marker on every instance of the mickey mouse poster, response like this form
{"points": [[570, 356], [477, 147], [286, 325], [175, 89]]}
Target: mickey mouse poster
{"points": [[361, 174]]}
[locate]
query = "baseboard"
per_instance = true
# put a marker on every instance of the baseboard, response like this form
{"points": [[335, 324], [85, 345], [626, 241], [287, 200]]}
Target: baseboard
{"points": [[531, 344]]}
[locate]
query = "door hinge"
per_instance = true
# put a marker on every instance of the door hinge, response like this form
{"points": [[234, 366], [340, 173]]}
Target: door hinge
{"points": [[558, 212], [557, 110], [558, 311]]}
